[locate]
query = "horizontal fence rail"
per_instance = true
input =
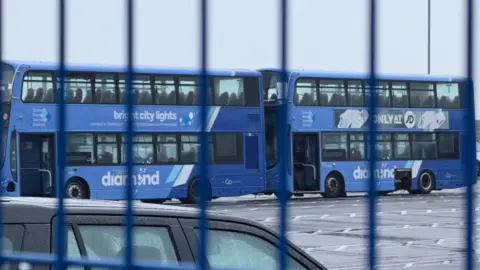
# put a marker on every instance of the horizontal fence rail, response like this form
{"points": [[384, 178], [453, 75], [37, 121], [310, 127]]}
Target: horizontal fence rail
{"points": [[59, 259]]}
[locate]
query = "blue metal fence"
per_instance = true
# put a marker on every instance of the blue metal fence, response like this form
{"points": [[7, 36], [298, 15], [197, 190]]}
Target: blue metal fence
{"points": [[61, 262]]}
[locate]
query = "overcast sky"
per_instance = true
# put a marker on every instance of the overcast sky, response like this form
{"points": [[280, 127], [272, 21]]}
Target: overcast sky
{"points": [[324, 34]]}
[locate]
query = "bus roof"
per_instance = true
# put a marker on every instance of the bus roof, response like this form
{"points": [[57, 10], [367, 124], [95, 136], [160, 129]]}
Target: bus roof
{"points": [[137, 69], [364, 76]]}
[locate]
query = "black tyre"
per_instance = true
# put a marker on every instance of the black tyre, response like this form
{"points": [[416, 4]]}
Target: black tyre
{"points": [[193, 193], [334, 186], [153, 201], [426, 183], [77, 189]]}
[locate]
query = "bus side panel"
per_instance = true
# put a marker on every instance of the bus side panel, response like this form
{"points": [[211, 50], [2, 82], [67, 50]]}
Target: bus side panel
{"points": [[112, 118], [149, 181], [168, 181], [447, 173], [272, 180], [9, 168]]}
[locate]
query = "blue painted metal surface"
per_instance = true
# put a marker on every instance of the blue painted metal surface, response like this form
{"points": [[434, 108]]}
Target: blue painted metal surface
{"points": [[129, 138], [60, 261], [60, 240], [1, 131], [282, 135], [202, 250], [469, 166], [373, 137]]}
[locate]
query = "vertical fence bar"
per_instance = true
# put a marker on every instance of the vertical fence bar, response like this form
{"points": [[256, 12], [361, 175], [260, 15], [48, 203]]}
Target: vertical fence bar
{"points": [[282, 136], [470, 155], [60, 243], [204, 155], [5, 90], [129, 137], [372, 138]]}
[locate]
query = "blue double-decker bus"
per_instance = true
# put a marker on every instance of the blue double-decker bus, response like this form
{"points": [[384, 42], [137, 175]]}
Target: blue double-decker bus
{"points": [[419, 119], [166, 121]]}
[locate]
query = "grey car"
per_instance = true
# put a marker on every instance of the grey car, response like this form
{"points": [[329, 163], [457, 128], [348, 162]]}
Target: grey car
{"points": [[166, 235]]}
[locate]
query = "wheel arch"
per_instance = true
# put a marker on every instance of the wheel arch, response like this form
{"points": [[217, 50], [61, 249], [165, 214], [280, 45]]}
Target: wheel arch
{"points": [[80, 180]]}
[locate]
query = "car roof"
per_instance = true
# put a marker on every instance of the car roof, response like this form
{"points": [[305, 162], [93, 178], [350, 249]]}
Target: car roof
{"points": [[42, 210]]}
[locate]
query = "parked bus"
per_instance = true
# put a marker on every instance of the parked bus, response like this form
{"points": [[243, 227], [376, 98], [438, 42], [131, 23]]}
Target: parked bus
{"points": [[166, 119], [418, 145]]}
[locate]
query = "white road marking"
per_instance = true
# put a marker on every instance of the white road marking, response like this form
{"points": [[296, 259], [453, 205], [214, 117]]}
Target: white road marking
{"points": [[439, 241], [341, 248]]}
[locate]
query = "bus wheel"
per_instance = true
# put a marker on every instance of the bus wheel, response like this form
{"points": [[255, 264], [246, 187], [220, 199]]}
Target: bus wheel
{"points": [[425, 183], [334, 186], [193, 193], [77, 189]]}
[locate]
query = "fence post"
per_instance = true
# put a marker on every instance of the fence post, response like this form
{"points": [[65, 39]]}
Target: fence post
{"points": [[282, 135], [470, 152], [2, 260], [204, 149], [61, 239], [129, 222], [372, 131]]}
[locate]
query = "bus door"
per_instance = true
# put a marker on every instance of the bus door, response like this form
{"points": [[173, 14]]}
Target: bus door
{"points": [[306, 162], [36, 164], [290, 174]]}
